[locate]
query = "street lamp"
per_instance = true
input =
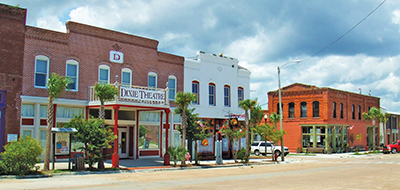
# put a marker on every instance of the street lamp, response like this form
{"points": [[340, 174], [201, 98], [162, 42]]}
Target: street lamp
{"points": [[280, 106]]}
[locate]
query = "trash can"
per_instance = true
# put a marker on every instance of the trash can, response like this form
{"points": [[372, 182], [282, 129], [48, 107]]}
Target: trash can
{"points": [[78, 162]]}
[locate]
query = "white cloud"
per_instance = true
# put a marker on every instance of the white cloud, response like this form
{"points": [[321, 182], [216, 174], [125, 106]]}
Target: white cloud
{"points": [[210, 20], [174, 36], [51, 23]]}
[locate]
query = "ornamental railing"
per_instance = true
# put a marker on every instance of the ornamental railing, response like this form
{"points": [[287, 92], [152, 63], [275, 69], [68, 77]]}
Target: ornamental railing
{"points": [[136, 94]]}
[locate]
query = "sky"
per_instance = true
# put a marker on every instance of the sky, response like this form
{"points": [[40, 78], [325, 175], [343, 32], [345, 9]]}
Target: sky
{"points": [[335, 48]]}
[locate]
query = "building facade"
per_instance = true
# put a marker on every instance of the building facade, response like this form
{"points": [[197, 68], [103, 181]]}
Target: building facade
{"points": [[12, 36], [324, 117], [220, 83], [147, 80], [392, 127]]}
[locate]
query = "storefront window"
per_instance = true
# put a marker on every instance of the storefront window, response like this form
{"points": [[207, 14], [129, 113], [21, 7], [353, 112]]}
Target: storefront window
{"points": [[307, 137], [149, 137]]}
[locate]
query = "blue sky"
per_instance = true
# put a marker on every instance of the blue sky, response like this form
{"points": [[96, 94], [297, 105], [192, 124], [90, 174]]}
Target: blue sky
{"points": [[262, 34]]}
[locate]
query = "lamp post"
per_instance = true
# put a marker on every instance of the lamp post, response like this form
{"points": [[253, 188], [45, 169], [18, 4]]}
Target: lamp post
{"points": [[280, 106]]}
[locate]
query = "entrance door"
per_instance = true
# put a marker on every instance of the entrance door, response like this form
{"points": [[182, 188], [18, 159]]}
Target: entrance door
{"points": [[123, 142]]}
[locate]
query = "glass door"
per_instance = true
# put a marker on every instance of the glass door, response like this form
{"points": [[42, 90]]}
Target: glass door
{"points": [[123, 142]]}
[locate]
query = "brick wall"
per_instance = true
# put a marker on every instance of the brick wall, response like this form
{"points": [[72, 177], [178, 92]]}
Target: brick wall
{"points": [[12, 30], [90, 46]]}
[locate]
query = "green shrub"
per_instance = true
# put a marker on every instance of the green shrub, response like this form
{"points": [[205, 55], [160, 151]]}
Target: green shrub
{"points": [[20, 157], [241, 154], [177, 153]]}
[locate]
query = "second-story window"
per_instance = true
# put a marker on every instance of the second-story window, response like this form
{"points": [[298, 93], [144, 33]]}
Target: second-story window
{"points": [[126, 77], [334, 109], [240, 94], [291, 110], [73, 72], [359, 112], [195, 91], [341, 110], [353, 114], [152, 80], [211, 94], [227, 96], [41, 71], [104, 74], [303, 109], [279, 110], [172, 87], [316, 109]]}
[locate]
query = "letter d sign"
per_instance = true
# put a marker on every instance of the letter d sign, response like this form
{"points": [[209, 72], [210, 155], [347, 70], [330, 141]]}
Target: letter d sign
{"points": [[116, 56]]}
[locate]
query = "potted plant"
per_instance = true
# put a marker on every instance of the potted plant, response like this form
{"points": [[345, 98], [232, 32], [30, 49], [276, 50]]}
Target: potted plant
{"points": [[298, 150]]}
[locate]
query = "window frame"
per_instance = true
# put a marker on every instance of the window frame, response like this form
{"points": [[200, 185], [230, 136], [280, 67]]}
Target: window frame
{"points": [[42, 58], [227, 97], [73, 62], [197, 83], [291, 108], [341, 110], [172, 77], [359, 112], [303, 114], [105, 67], [152, 74], [126, 70], [353, 111], [334, 109], [211, 96], [240, 95], [316, 109]]}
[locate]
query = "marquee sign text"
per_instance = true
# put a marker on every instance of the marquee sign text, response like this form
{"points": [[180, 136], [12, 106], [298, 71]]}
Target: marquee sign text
{"points": [[141, 94]]}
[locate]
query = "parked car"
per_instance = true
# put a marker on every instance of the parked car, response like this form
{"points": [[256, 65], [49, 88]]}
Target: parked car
{"points": [[258, 147], [392, 148]]}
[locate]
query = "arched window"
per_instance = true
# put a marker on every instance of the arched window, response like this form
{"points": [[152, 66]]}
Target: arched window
{"points": [[211, 94], [278, 109], [291, 110], [41, 71], [341, 110], [72, 71], [126, 77], [196, 91], [227, 96], [316, 109], [334, 109], [104, 74], [359, 112], [353, 114], [172, 87], [240, 94], [152, 80], [303, 109]]}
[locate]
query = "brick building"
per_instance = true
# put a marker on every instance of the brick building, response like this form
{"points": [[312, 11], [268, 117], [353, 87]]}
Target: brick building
{"points": [[12, 35], [313, 116], [392, 127], [90, 55]]}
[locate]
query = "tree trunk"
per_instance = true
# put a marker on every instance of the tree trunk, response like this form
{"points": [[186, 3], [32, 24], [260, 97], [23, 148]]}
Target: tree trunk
{"points": [[50, 117], [100, 164], [247, 136], [184, 130], [195, 153]]}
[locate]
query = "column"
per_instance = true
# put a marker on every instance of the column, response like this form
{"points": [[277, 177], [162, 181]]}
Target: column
{"points": [[115, 156]]}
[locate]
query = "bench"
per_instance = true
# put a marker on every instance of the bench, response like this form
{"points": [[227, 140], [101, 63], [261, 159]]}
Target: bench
{"points": [[315, 149]]}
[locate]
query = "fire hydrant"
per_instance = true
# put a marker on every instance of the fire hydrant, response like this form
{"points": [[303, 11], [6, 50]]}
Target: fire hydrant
{"points": [[276, 156], [187, 156]]}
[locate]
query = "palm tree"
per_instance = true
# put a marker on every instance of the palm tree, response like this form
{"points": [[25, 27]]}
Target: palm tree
{"points": [[104, 92], [274, 118], [373, 114], [247, 105], [384, 119], [56, 86], [182, 101]]}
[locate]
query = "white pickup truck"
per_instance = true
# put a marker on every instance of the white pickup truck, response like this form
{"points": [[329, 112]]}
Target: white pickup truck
{"points": [[258, 147]]}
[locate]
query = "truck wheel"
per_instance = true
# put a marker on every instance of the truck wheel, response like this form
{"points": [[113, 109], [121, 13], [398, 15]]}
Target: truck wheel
{"points": [[278, 152], [394, 151], [257, 152]]}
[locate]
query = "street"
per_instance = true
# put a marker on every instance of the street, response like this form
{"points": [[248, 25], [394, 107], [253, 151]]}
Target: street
{"points": [[373, 171]]}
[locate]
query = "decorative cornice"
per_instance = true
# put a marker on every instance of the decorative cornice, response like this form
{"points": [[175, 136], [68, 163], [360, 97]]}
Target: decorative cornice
{"points": [[12, 13], [46, 35]]}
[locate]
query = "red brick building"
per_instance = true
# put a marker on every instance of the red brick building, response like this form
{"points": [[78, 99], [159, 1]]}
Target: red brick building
{"points": [[12, 35], [90, 55], [313, 116]]}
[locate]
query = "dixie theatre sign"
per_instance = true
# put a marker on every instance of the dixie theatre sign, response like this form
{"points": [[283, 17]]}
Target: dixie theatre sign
{"points": [[142, 94]]}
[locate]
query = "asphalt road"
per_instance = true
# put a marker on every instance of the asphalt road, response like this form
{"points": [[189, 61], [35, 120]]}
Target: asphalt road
{"points": [[374, 171]]}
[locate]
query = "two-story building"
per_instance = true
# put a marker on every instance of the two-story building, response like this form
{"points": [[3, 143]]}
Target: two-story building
{"points": [[12, 35], [220, 83], [392, 127], [318, 117], [147, 80]]}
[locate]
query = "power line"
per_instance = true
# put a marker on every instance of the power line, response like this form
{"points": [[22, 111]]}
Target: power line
{"points": [[346, 32]]}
